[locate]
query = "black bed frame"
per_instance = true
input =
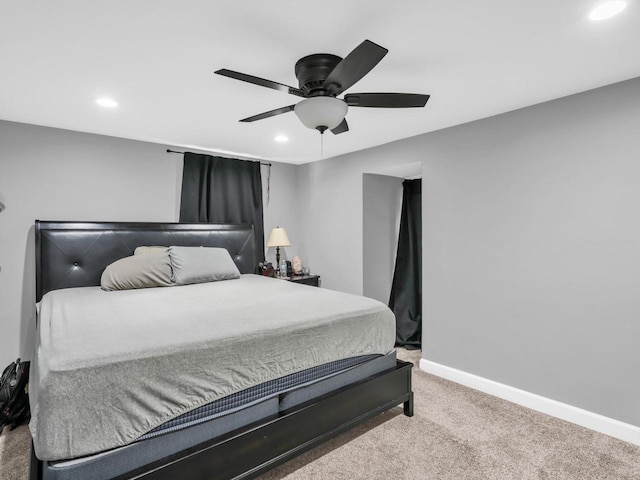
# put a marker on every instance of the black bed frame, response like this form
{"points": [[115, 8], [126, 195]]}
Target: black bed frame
{"points": [[70, 254]]}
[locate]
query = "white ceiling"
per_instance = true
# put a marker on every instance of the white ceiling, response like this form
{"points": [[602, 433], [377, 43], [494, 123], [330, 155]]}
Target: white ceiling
{"points": [[157, 58]]}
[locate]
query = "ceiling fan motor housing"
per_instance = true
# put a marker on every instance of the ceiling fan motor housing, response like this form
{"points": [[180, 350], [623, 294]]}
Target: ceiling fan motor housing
{"points": [[312, 70]]}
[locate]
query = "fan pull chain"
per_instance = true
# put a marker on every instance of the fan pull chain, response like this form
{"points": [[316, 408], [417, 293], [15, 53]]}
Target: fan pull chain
{"points": [[321, 144]]}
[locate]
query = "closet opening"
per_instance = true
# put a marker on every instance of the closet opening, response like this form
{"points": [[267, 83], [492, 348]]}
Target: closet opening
{"points": [[384, 256]]}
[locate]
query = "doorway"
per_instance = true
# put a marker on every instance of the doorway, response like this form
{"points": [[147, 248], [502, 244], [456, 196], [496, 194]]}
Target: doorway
{"points": [[382, 205]]}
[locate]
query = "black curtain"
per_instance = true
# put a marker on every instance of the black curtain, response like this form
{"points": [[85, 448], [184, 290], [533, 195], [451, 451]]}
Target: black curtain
{"points": [[222, 190], [406, 290]]}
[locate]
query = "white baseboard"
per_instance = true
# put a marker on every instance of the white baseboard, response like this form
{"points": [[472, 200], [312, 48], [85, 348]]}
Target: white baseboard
{"points": [[599, 423]]}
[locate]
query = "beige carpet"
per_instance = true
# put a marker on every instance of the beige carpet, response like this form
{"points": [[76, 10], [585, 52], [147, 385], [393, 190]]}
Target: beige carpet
{"points": [[14, 454], [456, 433]]}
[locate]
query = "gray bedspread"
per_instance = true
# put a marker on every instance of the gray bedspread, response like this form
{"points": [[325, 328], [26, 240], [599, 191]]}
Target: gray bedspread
{"points": [[110, 366]]}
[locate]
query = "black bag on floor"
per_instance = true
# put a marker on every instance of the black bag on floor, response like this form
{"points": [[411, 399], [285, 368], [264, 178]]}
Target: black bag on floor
{"points": [[14, 395]]}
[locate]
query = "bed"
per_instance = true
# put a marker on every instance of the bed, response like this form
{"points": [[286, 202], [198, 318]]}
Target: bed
{"points": [[200, 425]]}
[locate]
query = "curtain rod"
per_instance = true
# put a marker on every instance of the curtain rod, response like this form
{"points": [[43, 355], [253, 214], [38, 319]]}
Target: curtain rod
{"points": [[182, 153]]}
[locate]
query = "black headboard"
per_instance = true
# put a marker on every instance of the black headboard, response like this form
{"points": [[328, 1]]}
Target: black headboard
{"points": [[74, 254]]}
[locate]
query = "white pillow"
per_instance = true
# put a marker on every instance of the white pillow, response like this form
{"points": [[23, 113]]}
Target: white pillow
{"points": [[201, 264]]}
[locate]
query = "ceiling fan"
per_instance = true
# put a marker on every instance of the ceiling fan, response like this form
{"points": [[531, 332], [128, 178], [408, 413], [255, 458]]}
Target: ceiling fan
{"points": [[322, 77]]}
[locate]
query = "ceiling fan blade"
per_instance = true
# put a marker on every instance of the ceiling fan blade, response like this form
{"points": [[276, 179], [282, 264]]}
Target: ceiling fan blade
{"points": [[354, 66], [343, 127], [386, 100], [261, 81], [270, 113]]}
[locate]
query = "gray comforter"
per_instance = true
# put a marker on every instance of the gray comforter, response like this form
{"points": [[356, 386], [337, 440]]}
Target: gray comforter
{"points": [[110, 366]]}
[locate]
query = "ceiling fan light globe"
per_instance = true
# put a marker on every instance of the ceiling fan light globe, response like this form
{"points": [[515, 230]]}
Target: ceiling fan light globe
{"points": [[317, 112]]}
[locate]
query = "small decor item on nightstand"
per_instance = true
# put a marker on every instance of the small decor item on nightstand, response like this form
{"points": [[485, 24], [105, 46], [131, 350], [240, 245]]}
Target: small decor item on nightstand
{"points": [[266, 269], [283, 269], [296, 265]]}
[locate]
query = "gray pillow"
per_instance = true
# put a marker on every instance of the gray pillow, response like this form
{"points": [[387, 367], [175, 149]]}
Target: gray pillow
{"points": [[137, 271], [201, 264], [150, 250]]}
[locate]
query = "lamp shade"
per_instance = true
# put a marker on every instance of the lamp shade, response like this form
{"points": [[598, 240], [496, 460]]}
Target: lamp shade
{"points": [[317, 112], [278, 238]]}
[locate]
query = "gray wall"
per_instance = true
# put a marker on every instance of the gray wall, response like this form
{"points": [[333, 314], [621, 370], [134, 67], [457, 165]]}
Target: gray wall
{"points": [[53, 174], [530, 244], [381, 204]]}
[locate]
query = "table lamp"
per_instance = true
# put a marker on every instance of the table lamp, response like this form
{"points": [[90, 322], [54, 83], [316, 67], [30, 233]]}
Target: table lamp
{"points": [[278, 238]]}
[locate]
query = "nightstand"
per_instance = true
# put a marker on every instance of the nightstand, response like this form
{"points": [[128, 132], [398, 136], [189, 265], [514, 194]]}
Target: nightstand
{"points": [[313, 280]]}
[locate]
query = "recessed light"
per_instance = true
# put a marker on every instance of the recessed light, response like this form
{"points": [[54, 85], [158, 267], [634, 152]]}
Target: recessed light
{"points": [[607, 10], [281, 138], [106, 102]]}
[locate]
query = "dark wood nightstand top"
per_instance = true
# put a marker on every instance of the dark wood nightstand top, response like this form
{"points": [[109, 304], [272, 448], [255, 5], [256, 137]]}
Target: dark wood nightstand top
{"points": [[313, 280]]}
